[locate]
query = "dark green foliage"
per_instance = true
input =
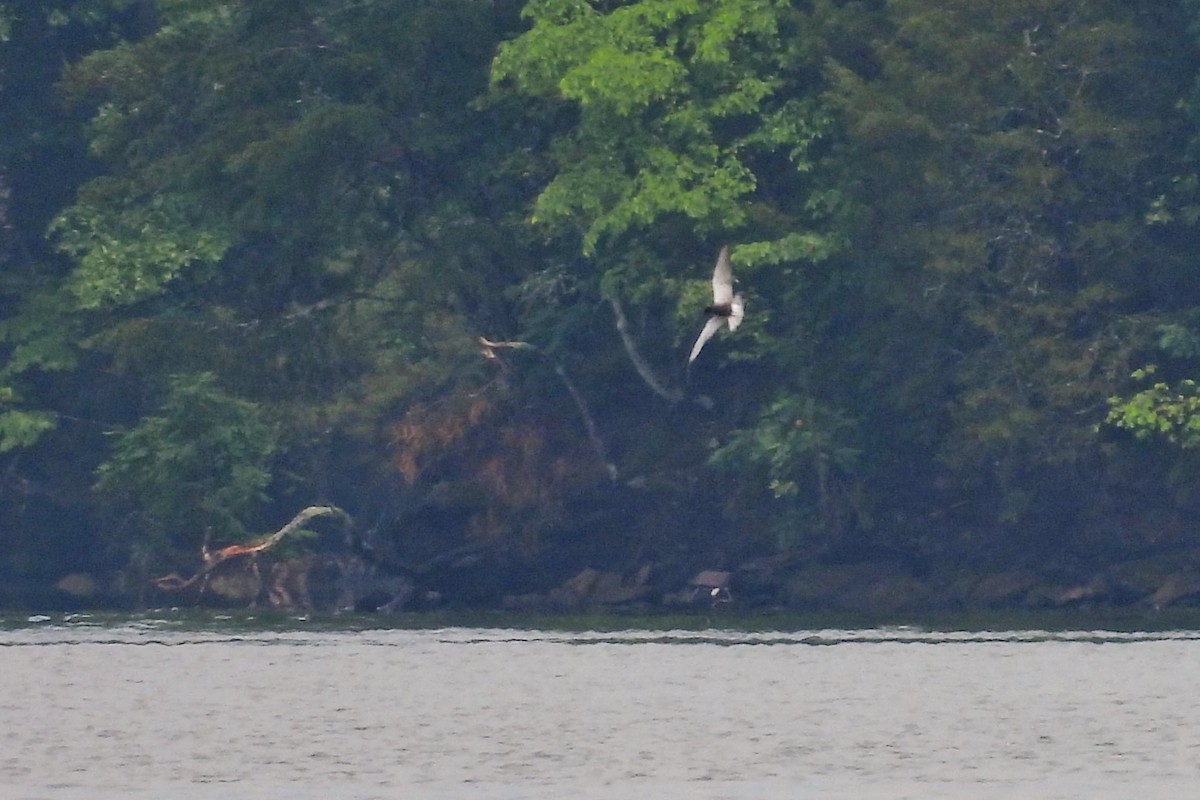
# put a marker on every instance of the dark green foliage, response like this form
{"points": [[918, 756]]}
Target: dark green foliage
{"points": [[42, 160], [194, 469], [1005, 157], [801, 452], [959, 226]]}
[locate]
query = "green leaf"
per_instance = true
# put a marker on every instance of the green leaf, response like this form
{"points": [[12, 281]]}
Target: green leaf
{"points": [[23, 428]]}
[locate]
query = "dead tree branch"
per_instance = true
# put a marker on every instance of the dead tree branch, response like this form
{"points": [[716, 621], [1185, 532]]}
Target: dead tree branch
{"points": [[211, 559], [640, 364]]}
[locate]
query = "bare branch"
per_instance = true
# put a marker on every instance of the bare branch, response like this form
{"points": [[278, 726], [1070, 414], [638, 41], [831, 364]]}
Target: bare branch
{"points": [[640, 364], [211, 559]]}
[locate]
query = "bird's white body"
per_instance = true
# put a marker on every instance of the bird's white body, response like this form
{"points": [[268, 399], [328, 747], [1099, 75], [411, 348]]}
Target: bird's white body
{"points": [[727, 308]]}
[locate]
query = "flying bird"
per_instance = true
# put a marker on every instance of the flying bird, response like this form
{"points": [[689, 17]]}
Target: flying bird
{"points": [[726, 308]]}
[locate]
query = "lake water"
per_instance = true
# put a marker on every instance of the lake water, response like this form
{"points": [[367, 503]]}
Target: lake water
{"points": [[157, 708]]}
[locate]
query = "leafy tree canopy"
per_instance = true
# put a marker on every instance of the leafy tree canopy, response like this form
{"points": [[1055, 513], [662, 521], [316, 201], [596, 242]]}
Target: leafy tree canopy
{"points": [[443, 261]]}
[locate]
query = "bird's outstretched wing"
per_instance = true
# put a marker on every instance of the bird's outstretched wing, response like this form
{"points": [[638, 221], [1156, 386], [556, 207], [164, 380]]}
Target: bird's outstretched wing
{"points": [[737, 310], [710, 328], [722, 279]]}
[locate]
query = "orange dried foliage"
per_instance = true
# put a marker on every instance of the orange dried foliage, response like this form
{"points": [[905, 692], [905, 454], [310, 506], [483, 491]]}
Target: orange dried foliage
{"points": [[426, 433], [525, 465]]}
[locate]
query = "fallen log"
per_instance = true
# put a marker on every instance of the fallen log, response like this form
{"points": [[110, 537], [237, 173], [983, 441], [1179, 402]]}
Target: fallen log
{"points": [[211, 559]]}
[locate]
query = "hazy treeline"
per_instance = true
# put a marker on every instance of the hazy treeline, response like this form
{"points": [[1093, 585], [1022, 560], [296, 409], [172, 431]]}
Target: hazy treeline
{"points": [[440, 263]]}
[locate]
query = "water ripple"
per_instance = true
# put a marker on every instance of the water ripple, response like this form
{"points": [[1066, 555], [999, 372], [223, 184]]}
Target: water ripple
{"points": [[242, 707], [169, 632]]}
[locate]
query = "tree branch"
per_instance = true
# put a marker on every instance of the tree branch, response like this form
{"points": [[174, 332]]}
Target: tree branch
{"points": [[585, 413], [211, 559], [640, 364]]}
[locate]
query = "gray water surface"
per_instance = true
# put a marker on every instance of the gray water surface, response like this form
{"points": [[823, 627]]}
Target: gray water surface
{"points": [[149, 710]]}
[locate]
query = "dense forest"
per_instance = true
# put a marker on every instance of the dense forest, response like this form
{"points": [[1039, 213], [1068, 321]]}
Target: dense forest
{"points": [[438, 265]]}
